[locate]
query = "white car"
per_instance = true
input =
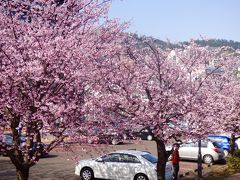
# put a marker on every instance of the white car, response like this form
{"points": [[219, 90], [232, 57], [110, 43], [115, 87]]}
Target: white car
{"points": [[211, 151], [122, 165]]}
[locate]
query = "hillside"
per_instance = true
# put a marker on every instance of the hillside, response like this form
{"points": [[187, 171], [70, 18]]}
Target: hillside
{"points": [[210, 42]]}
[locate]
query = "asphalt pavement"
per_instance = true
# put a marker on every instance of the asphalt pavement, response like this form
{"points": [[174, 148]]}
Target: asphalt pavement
{"points": [[61, 163]]}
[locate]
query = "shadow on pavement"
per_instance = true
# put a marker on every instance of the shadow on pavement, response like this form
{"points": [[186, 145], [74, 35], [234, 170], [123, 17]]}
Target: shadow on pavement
{"points": [[51, 156], [223, 162]]}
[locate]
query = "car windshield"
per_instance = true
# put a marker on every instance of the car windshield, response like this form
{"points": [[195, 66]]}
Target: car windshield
{"points": [[151, 158], [216, 145]]}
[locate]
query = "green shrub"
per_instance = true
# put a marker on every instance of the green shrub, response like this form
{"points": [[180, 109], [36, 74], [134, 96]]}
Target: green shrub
{"points": [[236, 153], [234, 160]]}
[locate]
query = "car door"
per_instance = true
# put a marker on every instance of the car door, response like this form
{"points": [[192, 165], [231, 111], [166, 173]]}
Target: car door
{"points": [[205, 148], [194, 151], [115, 166], [128, 166], [188, 151], [100, 167], [107, 166], [184, 151]]}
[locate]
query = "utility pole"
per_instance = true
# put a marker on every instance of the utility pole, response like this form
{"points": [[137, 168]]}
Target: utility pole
{"points": [[199, 160]]}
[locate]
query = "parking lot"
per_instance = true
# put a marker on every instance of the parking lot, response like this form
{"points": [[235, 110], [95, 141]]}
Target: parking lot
{"points": [[60, 164]]}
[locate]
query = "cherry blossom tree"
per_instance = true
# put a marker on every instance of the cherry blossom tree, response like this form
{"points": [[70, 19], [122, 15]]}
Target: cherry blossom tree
{"points": [[227, 90], [171, 95], [51, 53]]}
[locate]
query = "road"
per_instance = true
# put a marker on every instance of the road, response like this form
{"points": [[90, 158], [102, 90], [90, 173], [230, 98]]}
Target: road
{"points": [[60, 164]]}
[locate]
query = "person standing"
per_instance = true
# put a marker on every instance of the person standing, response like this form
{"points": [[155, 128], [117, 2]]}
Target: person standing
{"points": [[175, 161]]}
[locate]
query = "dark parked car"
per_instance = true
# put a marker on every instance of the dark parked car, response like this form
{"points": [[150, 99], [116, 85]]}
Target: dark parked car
{"points": [[107, 138], [44, 153], [144, 134]]}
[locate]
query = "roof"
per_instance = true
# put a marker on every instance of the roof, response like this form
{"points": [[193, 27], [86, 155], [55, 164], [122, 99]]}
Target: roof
{"points": [[133, 152], [218, 136]]}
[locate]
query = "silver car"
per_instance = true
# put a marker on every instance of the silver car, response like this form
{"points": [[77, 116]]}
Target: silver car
{"points": [[122, 165], [211, 151]]}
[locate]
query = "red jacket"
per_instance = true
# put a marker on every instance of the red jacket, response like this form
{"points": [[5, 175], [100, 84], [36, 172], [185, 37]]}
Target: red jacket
{"points": [[175, 157]]}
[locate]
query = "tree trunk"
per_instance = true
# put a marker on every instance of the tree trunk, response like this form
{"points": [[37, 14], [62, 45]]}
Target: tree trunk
{"points": [[232, 144], [22, 168], [162, 159], [22, 173]]}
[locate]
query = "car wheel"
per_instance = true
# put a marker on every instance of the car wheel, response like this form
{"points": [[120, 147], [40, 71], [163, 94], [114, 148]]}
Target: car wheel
{"points": [[90, 141], [114, 142], [87, 174], [140, 177], [125, 136], [225, 152], [208, 159], [149, 137]]}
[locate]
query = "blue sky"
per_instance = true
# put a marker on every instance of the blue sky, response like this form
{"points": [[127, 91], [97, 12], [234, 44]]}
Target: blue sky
{"points": [[180, 20]]}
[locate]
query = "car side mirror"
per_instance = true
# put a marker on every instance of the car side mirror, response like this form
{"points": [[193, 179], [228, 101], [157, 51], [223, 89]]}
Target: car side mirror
{"points": [[99, 160]]}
